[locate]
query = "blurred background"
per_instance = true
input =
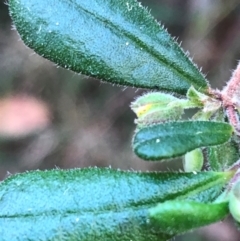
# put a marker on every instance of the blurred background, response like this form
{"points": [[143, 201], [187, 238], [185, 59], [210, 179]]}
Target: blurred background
{"points": [[54, 118]]}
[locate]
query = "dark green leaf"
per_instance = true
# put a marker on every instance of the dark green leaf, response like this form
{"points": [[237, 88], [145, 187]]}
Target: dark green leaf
{"points": [[117, 41], [174, 139], [179, 216], [96, 204]]}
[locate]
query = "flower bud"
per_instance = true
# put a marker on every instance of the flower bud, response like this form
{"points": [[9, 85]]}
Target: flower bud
{"points": [[156, 107]]}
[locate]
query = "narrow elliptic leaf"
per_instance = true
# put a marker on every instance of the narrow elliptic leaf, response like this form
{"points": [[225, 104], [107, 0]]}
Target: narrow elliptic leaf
{"points": [[180, 216], [222, 157], [174, 139], [116, 41], [96, 204]]}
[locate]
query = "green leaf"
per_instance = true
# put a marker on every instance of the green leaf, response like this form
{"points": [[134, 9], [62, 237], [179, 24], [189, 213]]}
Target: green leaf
{"points": [[179, 216], [234, 201], [174, 139], [116, 41], [96, 204], [193, 161], [212, 107], [196, 97], [222, 157]]}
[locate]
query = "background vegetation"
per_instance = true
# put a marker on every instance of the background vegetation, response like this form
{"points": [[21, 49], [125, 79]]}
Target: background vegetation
{"points": [[84, 122]]}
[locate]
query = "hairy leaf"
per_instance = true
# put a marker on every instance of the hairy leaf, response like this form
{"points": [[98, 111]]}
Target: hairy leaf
{"points": [[116, 41], [174, 139], [156, 107], [222, 157], [186, 215], [96, 204]]}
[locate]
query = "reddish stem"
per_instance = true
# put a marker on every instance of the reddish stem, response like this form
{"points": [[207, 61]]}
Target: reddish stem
{"points": [[231, 92], [230, 96]]}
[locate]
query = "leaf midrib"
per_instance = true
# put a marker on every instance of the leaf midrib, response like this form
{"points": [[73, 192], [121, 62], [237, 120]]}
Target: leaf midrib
{"points": [[130, 207], [140, 43]]}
